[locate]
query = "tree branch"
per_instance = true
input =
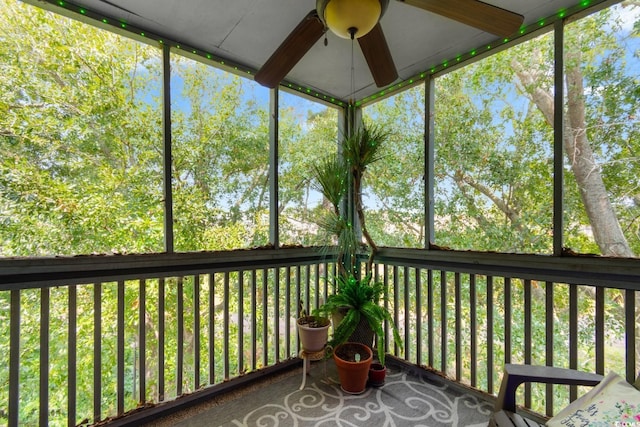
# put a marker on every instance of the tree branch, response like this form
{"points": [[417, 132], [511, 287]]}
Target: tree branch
{"points": [[511, 214]]}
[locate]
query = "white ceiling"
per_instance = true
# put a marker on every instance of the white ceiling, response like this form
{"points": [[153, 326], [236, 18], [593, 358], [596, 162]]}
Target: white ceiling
{"points": [[246, 32]]}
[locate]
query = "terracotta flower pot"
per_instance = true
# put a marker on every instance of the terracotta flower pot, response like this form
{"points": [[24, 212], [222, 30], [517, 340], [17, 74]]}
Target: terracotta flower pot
{"points": [[353, 370], [377, 374], [314, 333]]}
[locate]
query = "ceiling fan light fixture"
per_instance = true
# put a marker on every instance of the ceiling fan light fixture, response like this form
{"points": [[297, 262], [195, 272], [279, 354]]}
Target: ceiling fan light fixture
{"points": [[341, 16]]}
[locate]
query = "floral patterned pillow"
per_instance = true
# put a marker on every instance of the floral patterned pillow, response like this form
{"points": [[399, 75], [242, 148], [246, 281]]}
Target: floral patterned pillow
{"points": [[613, 402]]}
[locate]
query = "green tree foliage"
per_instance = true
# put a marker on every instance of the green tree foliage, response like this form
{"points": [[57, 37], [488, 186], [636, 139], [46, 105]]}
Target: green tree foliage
{"points": [[307, 132], [494, 122], [394, 187], [79, 142], [493, 161], [219, 188], [81, 172]]}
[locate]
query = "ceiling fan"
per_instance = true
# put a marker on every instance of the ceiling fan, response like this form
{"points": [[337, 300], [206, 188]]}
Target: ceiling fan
{"points": [[361, 19]]}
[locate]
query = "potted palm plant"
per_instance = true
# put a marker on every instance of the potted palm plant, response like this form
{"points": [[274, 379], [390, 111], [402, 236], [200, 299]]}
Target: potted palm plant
{"points": [[340, 176], [358, 299]]}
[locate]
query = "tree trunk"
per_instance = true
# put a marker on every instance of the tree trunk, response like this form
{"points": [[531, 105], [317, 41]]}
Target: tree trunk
{"points": [[604, 221], [602, 217]]}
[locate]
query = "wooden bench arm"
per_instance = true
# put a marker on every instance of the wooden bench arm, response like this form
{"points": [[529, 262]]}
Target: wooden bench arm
{"points": [[514, 375]]}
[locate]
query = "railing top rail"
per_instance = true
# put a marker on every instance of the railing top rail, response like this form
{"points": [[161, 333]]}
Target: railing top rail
{"points": [[622, 273], [21, 273]]}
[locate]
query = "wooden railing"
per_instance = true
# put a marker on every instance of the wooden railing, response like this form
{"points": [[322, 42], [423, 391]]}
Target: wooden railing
{"points": [[467, 314], [87, 338], [94, 337]]}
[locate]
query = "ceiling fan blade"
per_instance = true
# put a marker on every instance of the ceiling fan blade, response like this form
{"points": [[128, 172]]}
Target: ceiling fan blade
{"points": [[292, 49], [474, 13], [376, 52]]}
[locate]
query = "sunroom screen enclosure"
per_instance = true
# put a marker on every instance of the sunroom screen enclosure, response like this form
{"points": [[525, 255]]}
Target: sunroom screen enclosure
{"points": [[158, 223]]}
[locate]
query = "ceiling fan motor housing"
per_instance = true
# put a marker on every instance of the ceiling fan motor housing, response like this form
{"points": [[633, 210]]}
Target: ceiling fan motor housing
{"points": [[343, 16]]}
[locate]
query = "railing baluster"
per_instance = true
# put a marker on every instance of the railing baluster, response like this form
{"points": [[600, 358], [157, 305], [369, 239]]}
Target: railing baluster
{"points": [[458, 326], [407, 310], [444, 341], [44, 356], [180, 336], [120, 348], [14, 359], [254, 319], [225, 326], [240, 321], [549, 318], [161, 302], [142, 340], [473, 327], [630, 334], [573, 336], [507, 320], [528, 344], [265, 317], [196, 331], [307, 287], [600, 330], [396, 305], [97, 352], [490, 334], [317, 283], [72, 357], [385, 279], [418, 279], [299, 303], [287, 310], [325, 275], [276, 313], [430, 326], [212, 328], [334, 270]]}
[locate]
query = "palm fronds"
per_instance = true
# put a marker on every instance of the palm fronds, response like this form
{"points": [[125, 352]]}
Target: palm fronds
{"points": [[364, 147], [331, 178]]}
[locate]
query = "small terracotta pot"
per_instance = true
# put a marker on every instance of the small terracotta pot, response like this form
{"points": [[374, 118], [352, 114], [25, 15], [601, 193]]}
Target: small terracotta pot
{"points": [[377, 374], [353, 375]]}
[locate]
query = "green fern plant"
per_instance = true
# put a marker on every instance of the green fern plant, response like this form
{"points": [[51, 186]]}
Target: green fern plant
{"points": [[361, 298]]}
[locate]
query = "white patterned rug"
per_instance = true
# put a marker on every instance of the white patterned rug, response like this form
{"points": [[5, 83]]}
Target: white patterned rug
{"points": [[404, 400]]}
